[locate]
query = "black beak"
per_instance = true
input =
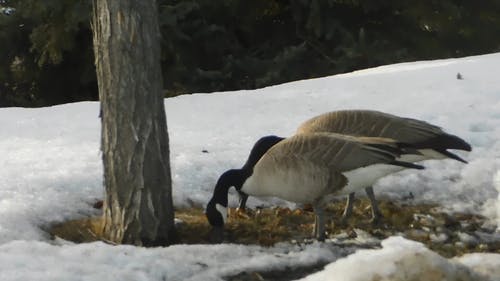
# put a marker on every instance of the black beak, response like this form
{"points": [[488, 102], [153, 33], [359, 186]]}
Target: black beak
{"points": [[216, 234]]}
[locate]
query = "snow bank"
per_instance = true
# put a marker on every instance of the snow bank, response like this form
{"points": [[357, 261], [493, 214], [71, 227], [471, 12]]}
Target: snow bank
{"points": [[483, 263], [497, 185], [401, 259], [23, 260], [50, 167]]}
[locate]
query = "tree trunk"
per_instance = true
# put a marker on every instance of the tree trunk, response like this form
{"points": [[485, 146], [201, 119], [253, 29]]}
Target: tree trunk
{"points": [[138, 206]]}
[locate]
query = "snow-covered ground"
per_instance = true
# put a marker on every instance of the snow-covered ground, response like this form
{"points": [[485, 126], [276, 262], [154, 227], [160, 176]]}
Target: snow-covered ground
{"points": [[51, 171], [401, 259]]}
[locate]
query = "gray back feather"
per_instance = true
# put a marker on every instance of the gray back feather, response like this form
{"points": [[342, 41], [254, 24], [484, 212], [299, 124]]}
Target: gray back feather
{"points": [[372, 124]]}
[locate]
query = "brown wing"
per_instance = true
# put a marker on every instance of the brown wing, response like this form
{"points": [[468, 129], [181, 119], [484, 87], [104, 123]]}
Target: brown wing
{"points": [[338, 153], [370, 123]]}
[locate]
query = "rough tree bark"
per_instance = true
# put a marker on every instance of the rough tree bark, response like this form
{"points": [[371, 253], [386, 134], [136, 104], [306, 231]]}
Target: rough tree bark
{"points": [[138, 205]]}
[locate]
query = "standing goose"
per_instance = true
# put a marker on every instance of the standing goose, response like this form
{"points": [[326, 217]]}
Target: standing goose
{"points": [[307, 168], [431, 141]]}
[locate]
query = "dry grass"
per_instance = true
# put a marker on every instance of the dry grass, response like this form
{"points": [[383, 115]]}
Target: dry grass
{"points": [[271, 225], [265, 227], [79, 231]]}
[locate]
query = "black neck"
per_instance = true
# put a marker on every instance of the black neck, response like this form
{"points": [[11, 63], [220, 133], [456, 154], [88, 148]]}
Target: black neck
{"points": [[230, 178], [258, 150]]}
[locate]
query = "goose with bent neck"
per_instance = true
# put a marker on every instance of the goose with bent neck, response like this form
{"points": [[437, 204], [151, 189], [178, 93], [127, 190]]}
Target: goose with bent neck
{"points": [[430, 140], [306, 168]]}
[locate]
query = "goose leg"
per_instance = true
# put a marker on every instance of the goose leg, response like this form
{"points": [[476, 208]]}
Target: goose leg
{"points": [[319, 224], [376, 213], [242, 201], [348, 207]]}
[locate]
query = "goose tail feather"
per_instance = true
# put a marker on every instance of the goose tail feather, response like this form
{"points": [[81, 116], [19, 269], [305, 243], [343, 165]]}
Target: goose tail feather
{"points": [[452, 156], [443, 142], [407, 165]]}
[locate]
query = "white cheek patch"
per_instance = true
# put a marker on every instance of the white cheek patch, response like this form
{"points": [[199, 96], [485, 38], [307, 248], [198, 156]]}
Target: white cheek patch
{"points": [[223, 211]]}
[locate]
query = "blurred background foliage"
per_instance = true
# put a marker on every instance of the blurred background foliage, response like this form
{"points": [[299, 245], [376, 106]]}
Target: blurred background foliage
{"points": [[209, 45]]}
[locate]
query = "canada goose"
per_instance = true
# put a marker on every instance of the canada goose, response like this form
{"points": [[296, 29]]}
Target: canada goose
{"points": [[430, 140], [307, 168]]}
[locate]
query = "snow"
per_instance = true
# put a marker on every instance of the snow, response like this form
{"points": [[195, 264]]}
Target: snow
{"points": [[51, 171], [485, 264], [22, 260], [401, 259], [497, 185]]}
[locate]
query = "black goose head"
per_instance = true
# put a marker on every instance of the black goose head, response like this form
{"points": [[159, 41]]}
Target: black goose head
{"points": [[217, 206], [216, 210]]}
